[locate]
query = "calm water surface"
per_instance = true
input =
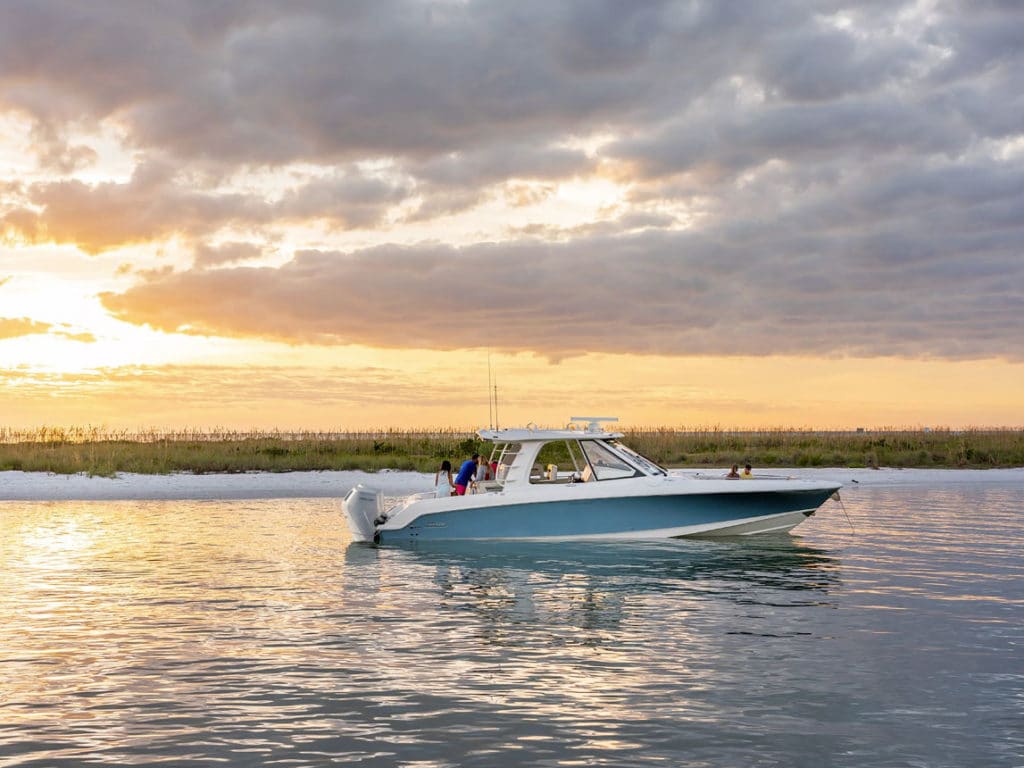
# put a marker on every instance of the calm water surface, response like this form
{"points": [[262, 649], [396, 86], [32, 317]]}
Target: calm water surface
{"points": [[251, 633]]}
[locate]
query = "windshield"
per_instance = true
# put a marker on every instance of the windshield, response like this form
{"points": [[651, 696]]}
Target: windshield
{"points": [[641, 460], [604, 463]]}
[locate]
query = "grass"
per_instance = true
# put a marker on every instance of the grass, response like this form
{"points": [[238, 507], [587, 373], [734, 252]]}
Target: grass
{"points": [[940, 448], [97, 451]]}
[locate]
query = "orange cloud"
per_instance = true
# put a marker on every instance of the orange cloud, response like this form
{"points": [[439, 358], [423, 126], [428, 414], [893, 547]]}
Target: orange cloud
{"points": [[84, 337], [109, 215], [13, 327], [154, 205]]}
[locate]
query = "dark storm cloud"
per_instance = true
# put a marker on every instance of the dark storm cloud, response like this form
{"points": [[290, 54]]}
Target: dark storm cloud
{"points": [[849, 172]]}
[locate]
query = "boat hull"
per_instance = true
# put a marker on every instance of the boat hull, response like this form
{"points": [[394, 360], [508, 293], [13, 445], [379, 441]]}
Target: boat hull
{"points": [[657, 516]]}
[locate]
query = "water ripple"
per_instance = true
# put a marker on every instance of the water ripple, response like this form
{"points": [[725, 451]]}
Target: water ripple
{"points": [[253, 633]]}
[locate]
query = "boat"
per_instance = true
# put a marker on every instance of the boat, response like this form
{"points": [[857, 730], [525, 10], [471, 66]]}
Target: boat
{"points": [[579, 483]]}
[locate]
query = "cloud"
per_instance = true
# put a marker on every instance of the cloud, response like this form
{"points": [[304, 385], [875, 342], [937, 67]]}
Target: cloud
{"points": [[251, 82], [346, 199], [825, 178], [258, 84], [674, 294], [68, 332], [107, 215], [155, 204], [225, 253], [13, 327]]}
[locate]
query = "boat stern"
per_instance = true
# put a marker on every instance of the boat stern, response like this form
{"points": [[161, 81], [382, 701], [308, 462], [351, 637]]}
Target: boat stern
{"points": [[363, 507]]}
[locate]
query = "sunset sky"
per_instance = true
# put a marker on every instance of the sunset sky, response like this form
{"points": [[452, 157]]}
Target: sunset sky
{"points": [[333, 215]]}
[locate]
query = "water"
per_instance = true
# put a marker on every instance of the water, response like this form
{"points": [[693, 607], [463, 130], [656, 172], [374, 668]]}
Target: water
{"points": [[251, 633]]}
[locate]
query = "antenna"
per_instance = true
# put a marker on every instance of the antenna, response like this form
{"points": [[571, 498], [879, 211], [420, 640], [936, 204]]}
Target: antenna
{"points": [[490, 410], [496, 403]]}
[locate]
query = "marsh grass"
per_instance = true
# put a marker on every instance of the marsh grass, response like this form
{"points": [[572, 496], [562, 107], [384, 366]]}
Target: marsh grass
{"points": [[98, 451], [940, 448]]}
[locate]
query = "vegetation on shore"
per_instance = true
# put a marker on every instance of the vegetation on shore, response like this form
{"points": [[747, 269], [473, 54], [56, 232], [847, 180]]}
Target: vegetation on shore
{"points": [[96, 451]]}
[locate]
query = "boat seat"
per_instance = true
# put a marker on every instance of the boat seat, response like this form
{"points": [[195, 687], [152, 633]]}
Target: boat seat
{"points": [[588, 474]]}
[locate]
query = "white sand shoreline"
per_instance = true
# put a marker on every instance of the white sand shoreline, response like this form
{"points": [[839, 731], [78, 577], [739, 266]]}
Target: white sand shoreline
{"points": [[42, 486]]}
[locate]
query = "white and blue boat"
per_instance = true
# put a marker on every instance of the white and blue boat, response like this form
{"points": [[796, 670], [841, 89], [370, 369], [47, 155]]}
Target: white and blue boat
{"points": [[583, 483]]}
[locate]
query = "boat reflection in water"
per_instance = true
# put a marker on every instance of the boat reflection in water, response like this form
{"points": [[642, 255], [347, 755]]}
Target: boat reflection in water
{"points": [[591, 585]]}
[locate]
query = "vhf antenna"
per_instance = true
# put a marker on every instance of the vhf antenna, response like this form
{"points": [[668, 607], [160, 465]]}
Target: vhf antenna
{"points": [[490, 409]]}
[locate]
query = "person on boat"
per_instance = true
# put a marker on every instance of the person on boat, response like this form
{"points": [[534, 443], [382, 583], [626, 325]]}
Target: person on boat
{"points": [[466, 474], [735, 471], [444, 486], [747, 472], [484, 472]]}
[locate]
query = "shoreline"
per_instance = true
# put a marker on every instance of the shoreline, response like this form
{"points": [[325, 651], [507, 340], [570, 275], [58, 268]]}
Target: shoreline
{"points": [[44, 486]]}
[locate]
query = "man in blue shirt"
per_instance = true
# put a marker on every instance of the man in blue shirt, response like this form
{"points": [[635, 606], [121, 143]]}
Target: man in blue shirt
{"points": [[466, 473]]}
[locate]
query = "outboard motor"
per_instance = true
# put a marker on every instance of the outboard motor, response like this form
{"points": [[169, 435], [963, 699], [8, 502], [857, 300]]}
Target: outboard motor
{"points": [[364, 510]]}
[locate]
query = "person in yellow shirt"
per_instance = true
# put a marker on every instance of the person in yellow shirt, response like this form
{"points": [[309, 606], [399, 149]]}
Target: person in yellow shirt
{"points": [[747, 474]]}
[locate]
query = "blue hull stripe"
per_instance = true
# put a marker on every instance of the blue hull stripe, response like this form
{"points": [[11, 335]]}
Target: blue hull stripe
{"points": [[595, 517]]}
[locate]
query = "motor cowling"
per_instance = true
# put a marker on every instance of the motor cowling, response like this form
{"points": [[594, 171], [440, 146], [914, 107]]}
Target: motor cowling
{"points": [[364, 510]]}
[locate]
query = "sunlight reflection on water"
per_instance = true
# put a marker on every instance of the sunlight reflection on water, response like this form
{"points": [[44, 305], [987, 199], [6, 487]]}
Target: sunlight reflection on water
{"points": [[252, 631]]}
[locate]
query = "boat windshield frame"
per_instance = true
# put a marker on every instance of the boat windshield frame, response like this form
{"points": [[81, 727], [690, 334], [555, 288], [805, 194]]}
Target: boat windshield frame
{"points": [[601, 470], [649, 466]]}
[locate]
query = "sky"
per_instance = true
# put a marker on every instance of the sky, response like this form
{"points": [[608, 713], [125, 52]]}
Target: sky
{"points": [[361, 215]]}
